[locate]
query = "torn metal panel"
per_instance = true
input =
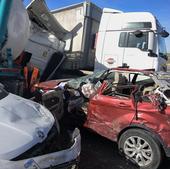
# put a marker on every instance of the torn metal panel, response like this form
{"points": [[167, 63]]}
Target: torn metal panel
{"points": [[89, 90], [77, 82], [31, 137], [39, 13], [23, 122], [49, 160], [53, 100], [51, 84]]}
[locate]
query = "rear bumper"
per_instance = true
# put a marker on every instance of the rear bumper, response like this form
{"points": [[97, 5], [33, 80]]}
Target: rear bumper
{"points": [[62, 159]]}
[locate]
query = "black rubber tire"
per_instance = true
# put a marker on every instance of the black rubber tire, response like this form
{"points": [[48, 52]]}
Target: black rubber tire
{"points": [[154, 144]]}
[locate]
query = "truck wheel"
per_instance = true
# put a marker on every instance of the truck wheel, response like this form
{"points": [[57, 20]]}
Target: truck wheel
{"points": [[139, 146]]}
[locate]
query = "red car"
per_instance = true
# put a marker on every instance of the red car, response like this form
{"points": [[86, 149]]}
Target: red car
{"points": [[132, 108]]}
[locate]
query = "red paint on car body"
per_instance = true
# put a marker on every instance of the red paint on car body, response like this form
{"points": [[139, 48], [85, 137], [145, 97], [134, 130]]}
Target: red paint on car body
{"points": [[109, 115]]}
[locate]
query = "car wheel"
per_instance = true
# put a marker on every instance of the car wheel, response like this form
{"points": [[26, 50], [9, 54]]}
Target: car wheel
{"points": [[140, 146]]}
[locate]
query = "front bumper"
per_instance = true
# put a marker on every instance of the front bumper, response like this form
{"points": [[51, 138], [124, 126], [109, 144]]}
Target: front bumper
{"points": [[61, 159]]}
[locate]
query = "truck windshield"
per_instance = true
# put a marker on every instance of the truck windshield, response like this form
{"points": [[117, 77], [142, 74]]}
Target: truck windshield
{"points": [[129, 39], [162, 47]]}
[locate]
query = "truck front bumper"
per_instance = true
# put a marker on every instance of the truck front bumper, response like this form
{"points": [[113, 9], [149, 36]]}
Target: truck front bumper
{"points": [[65, 159]]}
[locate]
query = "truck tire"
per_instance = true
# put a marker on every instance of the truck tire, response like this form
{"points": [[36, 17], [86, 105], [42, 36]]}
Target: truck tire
{"points": [[139, 146]]}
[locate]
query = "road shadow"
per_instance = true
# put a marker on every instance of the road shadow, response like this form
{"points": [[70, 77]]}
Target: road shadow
{"points": [[100, 153]]}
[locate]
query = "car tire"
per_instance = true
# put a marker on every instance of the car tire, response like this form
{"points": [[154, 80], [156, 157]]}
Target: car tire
{"points": [[140, 146]]}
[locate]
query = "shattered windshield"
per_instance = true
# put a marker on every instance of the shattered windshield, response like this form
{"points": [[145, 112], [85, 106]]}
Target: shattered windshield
{"points": [[93, 78], [75, 83]]}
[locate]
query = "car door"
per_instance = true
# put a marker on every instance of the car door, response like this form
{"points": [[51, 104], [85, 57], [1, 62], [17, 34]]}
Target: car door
{"points": [[108, 115]]}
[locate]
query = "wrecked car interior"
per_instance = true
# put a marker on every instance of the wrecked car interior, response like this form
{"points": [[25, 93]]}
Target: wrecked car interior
{"points": [[118, 82]]}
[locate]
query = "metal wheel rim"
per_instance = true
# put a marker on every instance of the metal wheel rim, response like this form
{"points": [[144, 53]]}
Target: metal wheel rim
{"points": [[139, 150]]}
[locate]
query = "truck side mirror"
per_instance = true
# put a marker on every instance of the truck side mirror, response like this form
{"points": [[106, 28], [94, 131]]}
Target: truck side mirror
{"points": [[151, 45], [164, 34], [151, 41], [151, 53]]}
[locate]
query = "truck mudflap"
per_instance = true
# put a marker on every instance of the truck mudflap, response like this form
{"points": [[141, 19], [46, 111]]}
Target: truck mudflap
{"points": [[65, 158]]}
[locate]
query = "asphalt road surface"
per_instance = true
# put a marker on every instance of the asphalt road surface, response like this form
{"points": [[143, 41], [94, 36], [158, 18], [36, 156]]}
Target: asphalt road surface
{"points": [[100, 153]]}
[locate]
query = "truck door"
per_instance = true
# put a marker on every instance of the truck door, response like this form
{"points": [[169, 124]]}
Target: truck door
{"points": [[111, 53], [136, 50]]}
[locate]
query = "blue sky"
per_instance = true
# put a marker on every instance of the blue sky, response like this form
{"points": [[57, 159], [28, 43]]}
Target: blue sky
{"points": [[160, 8]]}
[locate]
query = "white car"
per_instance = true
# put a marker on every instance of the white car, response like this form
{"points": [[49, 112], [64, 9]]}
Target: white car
{"points": [[29, 136]]}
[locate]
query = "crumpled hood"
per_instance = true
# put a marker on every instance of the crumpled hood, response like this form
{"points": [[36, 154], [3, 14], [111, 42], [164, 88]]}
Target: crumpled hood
{"points": [[23, 124]]}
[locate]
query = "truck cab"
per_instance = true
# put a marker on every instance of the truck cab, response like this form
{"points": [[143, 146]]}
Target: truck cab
{"points": [[132, 40]]}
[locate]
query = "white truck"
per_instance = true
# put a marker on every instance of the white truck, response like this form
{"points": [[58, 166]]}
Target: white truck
{"points": [[133, 39], [67, 38]]}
